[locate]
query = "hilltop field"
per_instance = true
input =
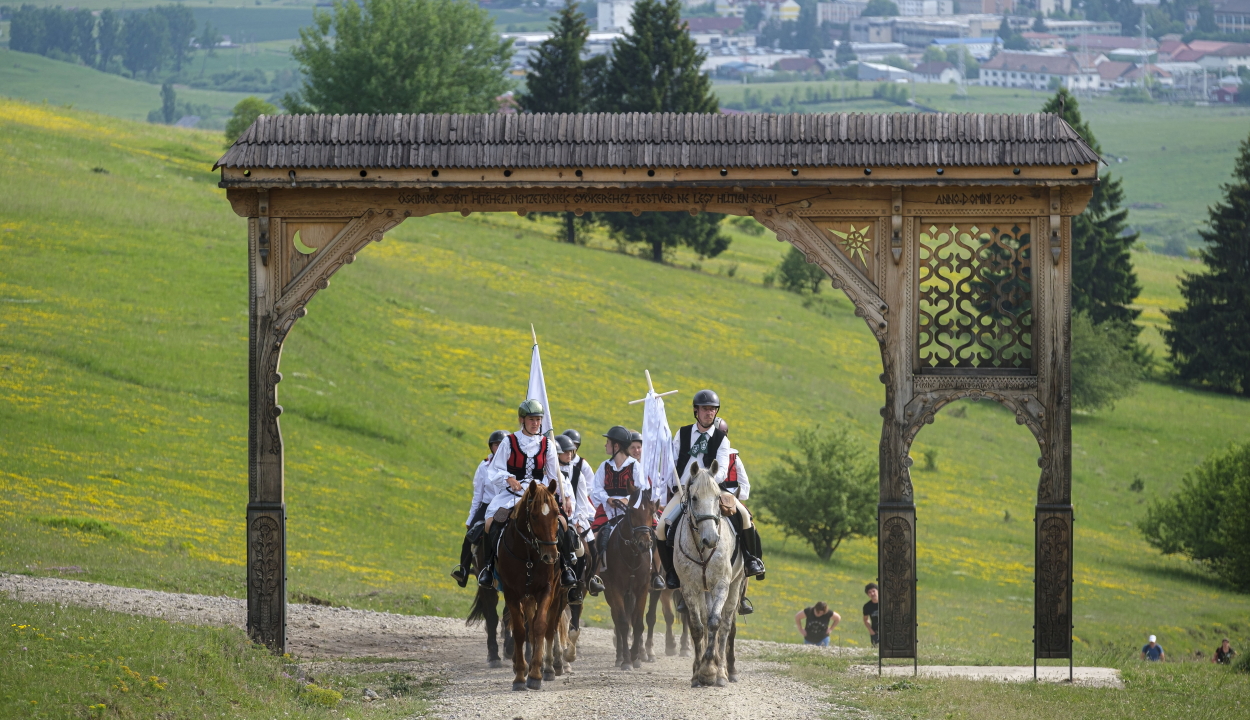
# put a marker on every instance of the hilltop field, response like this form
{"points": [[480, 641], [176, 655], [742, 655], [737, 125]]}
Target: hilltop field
{"points": [[123, 402]]}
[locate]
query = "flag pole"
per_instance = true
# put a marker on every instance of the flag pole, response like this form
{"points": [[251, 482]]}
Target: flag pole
{"points": [[533, 333]]}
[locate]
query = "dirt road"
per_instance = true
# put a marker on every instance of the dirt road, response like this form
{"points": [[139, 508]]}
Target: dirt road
{"points": [[445, 647]]}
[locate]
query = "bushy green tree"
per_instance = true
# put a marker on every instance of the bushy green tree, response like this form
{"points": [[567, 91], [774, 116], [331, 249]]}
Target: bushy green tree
{"points": [[180, 24], [145, 42], [1208, 517], [400, 56], [108, 35], [1209, 339], [1104, 283], [824, 493], [655, 68], [1103, 367], [880, 8], [796, 274], [245, 113], [169, 103]]}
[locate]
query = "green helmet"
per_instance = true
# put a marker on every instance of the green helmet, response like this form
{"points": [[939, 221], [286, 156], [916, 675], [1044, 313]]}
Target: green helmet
{"points": [[530, 408]]}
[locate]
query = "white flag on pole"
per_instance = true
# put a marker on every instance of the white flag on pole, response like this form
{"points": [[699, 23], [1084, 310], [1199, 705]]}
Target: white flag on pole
{"points": [[657, 448], [538, 386]]}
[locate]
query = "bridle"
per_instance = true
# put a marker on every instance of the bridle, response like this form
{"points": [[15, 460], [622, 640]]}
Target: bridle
{"points": [[693, 519], [532, 541]]}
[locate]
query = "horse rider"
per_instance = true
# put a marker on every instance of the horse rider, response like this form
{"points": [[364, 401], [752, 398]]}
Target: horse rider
{"points": [[737, 486], [702, 442], [474, 525], [635, 445], [576, 437], [580, 478], [524, 457]]}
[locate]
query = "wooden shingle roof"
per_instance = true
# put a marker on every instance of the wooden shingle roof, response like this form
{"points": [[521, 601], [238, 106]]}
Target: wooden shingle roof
{"points": [[661, 140]]}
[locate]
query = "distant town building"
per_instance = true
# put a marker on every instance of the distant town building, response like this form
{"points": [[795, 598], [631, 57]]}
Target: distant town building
{"points": [[1072, 28], [614, 15], [877, 72], [978, 47], [799, 65], [840, 13], [925, 8], [1231, 16], [1043, 41], [935, 72], [1036, 71]]}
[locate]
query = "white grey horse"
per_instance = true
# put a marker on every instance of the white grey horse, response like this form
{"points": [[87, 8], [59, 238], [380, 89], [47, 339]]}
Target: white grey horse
{"points": [[711, 576]]}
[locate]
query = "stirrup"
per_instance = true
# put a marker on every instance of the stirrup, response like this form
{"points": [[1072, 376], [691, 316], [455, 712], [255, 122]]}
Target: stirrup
{"points": [[754, 563], [595, 585], [745, 607], [486, 578], [658, 583], [461, 575], [575, 595]]}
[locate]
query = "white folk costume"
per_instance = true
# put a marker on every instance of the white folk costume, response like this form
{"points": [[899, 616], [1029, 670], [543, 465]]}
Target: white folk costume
{"points": [[613, 481], [523, 457], [480, 481], [580, 478], [693, 443]]}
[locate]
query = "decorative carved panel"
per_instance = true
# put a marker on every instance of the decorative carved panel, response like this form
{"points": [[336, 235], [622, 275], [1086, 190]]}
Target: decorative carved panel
{"points": [[1053, 589], [897, 586], [975, 296], [266, 575], [856, 239]]}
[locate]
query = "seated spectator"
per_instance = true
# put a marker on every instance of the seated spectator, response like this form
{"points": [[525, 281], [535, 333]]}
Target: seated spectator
{"points": [[1152, 651], [1224, 654], [815, 622]]}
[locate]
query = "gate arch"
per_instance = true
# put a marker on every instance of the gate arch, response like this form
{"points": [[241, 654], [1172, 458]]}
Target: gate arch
{"points": [[930, 224]]}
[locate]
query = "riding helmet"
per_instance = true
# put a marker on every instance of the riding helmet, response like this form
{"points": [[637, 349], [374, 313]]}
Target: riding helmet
{"points": [[635, 437], [573, 435], [706, 397], [530, 408], [565, 444], [724, 426], [496, 437], [618, 434]]}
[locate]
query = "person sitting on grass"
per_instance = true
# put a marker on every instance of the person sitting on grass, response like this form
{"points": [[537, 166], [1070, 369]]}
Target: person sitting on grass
{"points": [[1152, 651], [815, 622], [1224, 654]]}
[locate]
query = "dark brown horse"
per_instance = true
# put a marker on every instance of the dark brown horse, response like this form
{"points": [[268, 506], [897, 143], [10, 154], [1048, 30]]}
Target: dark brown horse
{"points": [[486, 607], [529, 574], [627, 580]]}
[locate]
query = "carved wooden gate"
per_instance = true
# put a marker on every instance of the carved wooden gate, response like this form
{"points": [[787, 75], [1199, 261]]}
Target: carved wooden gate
{"points": [[949, 233]]}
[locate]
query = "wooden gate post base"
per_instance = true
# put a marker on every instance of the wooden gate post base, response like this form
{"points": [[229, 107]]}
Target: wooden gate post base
{"points": [[266, 575], [896, 573]]}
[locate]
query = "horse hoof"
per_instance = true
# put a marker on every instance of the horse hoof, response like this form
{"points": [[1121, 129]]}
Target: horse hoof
{"points": [[649, 658], [695, 683], [518, 687], [495, 664], [549, 676], [733, 677], [685, 653], [626, 666], [637, 664], [534, 684], [720, 682]]}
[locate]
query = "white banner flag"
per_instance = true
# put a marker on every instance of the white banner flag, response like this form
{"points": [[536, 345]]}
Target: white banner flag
{"points": [[538, 387], [657, 447]]}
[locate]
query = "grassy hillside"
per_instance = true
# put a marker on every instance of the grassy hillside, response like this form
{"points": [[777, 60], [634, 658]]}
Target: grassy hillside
{"points": [[35, 78], [123, 399]]}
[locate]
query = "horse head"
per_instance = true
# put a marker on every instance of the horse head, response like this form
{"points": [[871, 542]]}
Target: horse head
{"points": [[640, 514], [703, 503], [538, 518]]}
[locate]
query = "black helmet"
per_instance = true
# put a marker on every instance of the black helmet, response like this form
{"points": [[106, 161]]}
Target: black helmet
{"points": [[635, 437], [706, 397], [618, 434], [724, 426], [573, 435], [496, 437], [530, 408], [565, 443]]}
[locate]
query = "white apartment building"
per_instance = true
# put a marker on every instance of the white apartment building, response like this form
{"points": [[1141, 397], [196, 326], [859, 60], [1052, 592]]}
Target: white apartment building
{"points": [[925, 8], [1035, 71], [614, 15], [840, 13]]}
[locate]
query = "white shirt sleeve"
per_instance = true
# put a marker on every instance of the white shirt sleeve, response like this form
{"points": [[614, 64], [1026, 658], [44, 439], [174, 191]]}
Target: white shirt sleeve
{"points": [[598, 495], [744, 485], [584, 510], [479, 480], [722, 460], [497, 472]]}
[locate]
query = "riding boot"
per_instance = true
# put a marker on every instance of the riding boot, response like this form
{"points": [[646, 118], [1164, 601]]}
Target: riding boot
{"points": [[750, 545], [568, 578], [461, 571], [671, 581], [486, 578], [593, 584]]}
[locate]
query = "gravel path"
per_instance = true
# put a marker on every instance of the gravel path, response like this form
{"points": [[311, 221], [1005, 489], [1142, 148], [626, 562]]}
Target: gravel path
{"points": [[445, 647]]}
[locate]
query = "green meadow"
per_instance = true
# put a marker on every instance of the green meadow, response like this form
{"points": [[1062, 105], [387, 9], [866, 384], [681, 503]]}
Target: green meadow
{"points": [[123, 403]]}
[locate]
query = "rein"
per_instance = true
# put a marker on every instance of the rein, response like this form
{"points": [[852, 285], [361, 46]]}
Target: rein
{"points": [[693, 519], [531, 541]]}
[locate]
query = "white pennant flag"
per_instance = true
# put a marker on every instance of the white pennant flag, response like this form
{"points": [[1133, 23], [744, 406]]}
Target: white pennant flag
{"points": [[538, 386], [657, 443]]}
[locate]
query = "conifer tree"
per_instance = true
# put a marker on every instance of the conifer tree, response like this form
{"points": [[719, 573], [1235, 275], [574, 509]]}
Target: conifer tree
{"points": [[656, 69], [1209, 339], [560, 81], [1104, 283]]}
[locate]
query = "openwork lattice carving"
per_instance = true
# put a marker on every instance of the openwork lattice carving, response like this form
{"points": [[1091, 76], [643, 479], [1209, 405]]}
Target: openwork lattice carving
{"points": [[976, 296]]}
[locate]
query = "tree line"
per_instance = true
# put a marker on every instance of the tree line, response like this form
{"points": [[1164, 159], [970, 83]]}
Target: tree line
{"points": [[142, 42]]}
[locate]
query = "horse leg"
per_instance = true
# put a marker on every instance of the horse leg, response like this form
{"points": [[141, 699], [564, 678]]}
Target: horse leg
{"points": [[620, 628], [731, 669], [639, 611], [653, 600], [537, 639], [562, 631], [719, 625], [666, 601], [509, 639], [517, 617], [575, 631], [491, 613], [694, 620]]}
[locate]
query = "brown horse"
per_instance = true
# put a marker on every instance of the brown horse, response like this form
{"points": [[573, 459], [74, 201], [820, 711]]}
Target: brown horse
{"points": [[664, 598], [529, 573], [627, 580]]}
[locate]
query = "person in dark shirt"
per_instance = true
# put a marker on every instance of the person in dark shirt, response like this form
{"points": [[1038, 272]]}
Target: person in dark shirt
{"points": [[1224, 654], [1152, 651], [815, 622], [872, 615]]}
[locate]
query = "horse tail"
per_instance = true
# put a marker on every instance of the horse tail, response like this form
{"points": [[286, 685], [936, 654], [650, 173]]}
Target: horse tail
{"points": [[485, 598]]}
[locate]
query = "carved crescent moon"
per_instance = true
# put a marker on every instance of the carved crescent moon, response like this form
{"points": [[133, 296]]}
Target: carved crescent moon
{"points": [[299, 245]]}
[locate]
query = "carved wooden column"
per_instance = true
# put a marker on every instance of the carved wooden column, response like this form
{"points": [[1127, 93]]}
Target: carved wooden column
{"points": [[1052, 589], [896, 509], [266, 510]]}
